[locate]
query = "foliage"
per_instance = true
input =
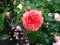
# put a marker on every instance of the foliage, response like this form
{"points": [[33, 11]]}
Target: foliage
{"points": [[4, 37], [43, 35]]}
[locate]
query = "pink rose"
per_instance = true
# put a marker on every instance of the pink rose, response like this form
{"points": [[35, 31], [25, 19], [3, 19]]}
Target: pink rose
{"points": [[56, 43], [57, 17], [32, 20], [56, 38]]}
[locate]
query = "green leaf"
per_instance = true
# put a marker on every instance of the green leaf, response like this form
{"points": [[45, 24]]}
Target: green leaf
{"points": [[4, 37], [2, 20], [1, 23], [27, 32], [33, 38]]}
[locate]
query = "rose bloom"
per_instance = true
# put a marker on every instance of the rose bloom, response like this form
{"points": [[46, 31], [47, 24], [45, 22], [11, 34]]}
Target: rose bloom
{"points": [[57, 17], [32, 20], [57, 39], [56, 43]]}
